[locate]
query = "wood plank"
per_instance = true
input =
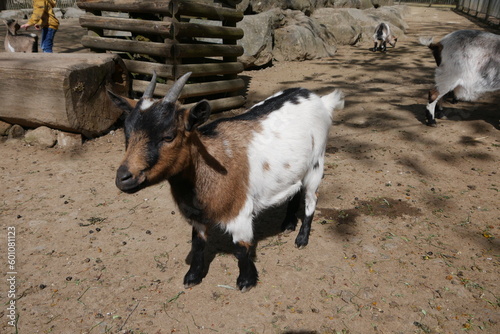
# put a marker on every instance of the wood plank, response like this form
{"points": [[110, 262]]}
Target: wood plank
{"points": [[225, 103], [198, 70], [150, 7], [206, 50], [162, 28], [167, 7], [193, 8], [194, 90], [148, 48], [204, 30]]}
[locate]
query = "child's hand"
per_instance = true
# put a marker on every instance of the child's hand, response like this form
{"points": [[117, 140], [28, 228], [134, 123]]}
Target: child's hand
{"points": [[25, 26]]}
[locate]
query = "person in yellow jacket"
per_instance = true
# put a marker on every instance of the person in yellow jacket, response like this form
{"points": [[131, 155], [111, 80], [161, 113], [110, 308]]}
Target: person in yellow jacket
{"points": [[43, 19]]}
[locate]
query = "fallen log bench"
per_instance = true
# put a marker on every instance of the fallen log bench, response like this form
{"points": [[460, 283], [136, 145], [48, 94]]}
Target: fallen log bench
{"points": [[62, 91]]}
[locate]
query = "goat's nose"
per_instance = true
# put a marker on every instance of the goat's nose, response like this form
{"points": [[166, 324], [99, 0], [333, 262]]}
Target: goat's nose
{"points": [[123, 177]]}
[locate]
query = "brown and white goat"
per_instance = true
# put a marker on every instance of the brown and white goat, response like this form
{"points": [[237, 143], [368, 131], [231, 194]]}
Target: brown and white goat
{"points": [[228, 171], [468, 64], [15, 42], [382, 36]]}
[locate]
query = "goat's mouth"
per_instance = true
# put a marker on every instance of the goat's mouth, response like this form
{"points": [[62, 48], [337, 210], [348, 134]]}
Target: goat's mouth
{"points": [[127, 182]]}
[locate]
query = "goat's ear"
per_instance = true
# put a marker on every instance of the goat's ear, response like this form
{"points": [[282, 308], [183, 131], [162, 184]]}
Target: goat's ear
{"points": [[120, 102], [198, 115]]}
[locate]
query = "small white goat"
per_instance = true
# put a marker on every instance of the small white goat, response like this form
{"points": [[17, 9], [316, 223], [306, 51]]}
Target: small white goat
{"points": [[15, 42], [468, 64], [226, 172], [382, 36]]}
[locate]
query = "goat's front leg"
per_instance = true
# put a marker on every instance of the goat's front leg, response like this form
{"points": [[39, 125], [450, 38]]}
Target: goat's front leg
{"points": [[195, 273], [248, 272]]}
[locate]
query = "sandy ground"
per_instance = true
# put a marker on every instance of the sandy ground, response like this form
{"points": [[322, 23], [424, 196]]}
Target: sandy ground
{"points": [[405, 237]]}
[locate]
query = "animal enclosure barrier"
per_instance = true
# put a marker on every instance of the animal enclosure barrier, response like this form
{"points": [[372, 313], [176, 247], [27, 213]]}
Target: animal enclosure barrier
{"points": [[172, 37], [487, 10]]}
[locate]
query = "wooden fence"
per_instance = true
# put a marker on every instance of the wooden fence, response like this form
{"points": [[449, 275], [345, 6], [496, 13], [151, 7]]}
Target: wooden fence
{"points": [[487, 10], [28, 4], [172, 37]]}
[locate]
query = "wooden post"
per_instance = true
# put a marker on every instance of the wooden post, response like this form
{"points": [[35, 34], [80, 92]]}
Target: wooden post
{"points": [[66, 91]]}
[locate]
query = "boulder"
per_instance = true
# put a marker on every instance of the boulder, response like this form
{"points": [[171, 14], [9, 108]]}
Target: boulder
{"points": [[73, 13], [258, 39], [12, 14], [302, 38], [340, 24], [41, 136]]}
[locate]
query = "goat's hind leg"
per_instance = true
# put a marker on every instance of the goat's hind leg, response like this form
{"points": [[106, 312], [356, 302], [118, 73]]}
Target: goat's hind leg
{"points": [[431, 107], [311, 185], [291, 219]]}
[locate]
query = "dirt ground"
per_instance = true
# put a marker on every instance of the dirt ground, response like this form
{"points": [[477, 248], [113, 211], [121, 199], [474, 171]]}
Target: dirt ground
{"points": [[405, 237]]}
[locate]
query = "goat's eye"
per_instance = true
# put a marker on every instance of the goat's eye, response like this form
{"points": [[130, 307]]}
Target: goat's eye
{"points": [[168, 138]]}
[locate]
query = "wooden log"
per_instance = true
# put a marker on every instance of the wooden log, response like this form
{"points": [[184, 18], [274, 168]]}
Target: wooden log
{"points": [[181, 29], [172, 72], [193, 8], [131, 46], [194, 90], [150, 7], [206, 50], [167, 7], [62, 91], [225, 103], [161, 28]]}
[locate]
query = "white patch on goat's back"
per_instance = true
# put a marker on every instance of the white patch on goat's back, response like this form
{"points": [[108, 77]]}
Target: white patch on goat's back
{"points": [[285, 146]]}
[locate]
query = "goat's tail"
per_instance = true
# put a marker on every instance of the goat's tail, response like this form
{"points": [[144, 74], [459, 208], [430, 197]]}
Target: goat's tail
{"points": [[333, 101], [427, 41]]}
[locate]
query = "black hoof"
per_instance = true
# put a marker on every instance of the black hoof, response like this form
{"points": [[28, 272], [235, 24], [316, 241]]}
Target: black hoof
{"points": [[432, 123], [301, 241], [246, 283], [192, 279]]}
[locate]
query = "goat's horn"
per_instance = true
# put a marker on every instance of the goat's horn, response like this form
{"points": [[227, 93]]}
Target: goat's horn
{"points": [[174, 92], [151, 87]]}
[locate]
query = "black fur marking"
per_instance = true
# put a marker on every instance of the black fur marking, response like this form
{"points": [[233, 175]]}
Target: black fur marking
{"points": [[291, 95]]}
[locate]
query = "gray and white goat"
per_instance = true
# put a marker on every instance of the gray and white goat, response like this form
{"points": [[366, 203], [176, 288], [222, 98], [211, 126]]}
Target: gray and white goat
{"points": [[224, 173], [15, 42], [468, 64], [382, 36]]}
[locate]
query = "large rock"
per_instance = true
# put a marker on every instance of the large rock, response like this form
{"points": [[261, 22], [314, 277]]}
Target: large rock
{"points": [[302, 38], [349, 25], [340, 24], [259, 37], [12, 14]]}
